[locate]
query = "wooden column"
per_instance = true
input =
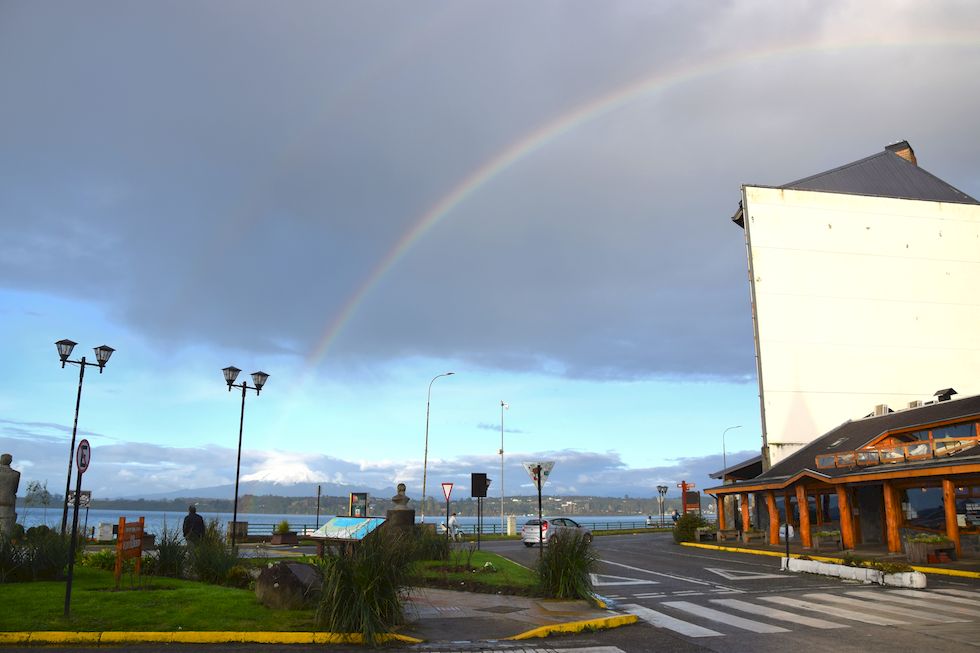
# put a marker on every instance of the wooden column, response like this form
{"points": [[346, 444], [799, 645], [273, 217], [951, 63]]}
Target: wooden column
{"points": [[893, 517], [819, 501], [846, 521], [744, 502], [773, 517], [720, 507], [949, 502], [804, 506]]}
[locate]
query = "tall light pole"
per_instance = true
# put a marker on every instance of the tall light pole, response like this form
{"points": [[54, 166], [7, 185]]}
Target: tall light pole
{"points": [[258, 380], [724, 461], [102, 355], [425, 456], [662, 491], [724, 452], [503, 406]]}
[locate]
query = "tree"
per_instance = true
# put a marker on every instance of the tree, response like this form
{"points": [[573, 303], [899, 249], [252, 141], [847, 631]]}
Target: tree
{"points": [[38, 495]]}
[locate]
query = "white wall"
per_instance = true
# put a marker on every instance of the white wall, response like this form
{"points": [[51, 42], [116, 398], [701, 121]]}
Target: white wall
{"points": [[859, 301]]}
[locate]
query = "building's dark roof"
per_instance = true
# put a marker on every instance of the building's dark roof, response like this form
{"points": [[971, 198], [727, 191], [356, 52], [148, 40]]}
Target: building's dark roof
{"points": [[853, 435], [744, 470], [884, 174]]}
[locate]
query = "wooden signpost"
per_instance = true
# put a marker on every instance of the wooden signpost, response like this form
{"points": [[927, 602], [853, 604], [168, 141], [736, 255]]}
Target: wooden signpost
{"points": [[129, 544]]}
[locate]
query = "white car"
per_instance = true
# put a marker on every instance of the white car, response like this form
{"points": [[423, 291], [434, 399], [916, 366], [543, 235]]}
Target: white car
{"points": [[531, 534]]}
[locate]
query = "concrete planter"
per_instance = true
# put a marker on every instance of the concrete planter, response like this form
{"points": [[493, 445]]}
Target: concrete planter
{"points": [[289, 538], [912, 579]]}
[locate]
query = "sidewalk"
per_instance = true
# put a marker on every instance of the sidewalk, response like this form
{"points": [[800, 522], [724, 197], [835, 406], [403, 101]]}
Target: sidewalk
{"points": [[436, 615], [963, 567]]}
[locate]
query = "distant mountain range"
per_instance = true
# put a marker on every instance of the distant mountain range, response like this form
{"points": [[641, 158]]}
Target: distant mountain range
{"points": [[260, 488]]}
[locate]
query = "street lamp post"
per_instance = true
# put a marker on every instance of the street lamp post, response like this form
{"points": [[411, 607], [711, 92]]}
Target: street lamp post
{"points": [[724, 460], [102, 355], [662, 491], [503, 405], [425, 457], [258, 380]]}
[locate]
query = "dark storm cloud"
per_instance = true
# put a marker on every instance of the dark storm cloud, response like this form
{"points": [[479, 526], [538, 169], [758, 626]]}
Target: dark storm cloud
{"points": [[136, 469], [195, 167]]}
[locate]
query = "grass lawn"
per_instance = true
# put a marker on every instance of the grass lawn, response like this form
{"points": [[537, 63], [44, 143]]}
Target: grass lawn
{"points": [[510, 577], [162, 604], [168, 604]]}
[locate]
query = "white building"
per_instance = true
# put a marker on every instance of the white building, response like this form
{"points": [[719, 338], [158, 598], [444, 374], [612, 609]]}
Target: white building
{"points": [[865, 289]]}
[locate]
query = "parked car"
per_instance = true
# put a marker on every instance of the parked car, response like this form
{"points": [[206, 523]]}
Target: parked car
{"points": [[551, 527]]}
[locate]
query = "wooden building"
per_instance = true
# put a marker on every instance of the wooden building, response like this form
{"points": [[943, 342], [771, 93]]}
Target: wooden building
{"points": [[877, 480]]}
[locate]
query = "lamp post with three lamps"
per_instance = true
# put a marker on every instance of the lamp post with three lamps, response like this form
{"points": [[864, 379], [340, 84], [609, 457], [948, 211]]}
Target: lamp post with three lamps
{"points": [[102, 355], [425, 456], [258, 380], [724, 458]]}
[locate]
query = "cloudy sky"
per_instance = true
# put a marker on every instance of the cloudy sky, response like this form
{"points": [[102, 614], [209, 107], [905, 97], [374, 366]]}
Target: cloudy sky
{"points": [[357, 196]]}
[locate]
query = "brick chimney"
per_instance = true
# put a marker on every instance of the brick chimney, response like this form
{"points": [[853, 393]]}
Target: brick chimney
{"points": [[904, 150]]}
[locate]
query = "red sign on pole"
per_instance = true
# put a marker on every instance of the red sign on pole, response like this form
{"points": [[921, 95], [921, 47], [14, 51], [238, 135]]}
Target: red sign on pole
{"points": [[83, 456], [447, 489]]}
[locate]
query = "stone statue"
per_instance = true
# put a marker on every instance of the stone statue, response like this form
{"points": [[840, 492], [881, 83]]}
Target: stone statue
{"points": [[401, 517], [9, 480], [400, 499]]}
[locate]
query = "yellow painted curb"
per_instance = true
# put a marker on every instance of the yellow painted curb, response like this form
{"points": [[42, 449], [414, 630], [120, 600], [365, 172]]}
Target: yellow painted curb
{"points": [[59, 637], [947, 572], [578, 626], [925, 570], [15, 638]]}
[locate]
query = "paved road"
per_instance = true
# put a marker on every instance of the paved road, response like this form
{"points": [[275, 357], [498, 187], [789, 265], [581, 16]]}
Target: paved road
{"points": [[696, 599]]}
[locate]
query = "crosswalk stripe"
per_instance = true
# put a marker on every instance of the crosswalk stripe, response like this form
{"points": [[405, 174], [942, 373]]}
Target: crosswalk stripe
{"points": [[966, 593], [919, 603], [670, 623], [829, 610], [872, 604], [775, 613], [922, 594], [725, 618]]}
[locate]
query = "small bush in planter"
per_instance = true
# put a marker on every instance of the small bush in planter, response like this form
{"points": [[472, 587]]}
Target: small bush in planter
{"points": [[930, 538], [687, 525], [282, 528]]}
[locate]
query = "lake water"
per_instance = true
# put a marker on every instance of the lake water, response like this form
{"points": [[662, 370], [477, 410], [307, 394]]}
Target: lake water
{"points": [[262, 524]]}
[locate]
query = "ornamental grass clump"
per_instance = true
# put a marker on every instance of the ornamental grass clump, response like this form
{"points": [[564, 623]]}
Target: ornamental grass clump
{"points": [[363, 586], [565, 567], [210, 558], [171, 554]]}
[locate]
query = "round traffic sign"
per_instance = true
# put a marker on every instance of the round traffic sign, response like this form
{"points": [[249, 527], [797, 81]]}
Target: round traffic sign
{"points": [[83, 456]]}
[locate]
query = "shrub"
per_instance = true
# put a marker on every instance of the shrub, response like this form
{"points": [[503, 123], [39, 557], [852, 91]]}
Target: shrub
{"points": [[104, 559], [239, 577], [11, 559], [929, 538], [171, 554], [282, 528], [565, 566], [686, 526], [362, 587], [430, 546], [45, 553], [827, 534], [211, 558]]}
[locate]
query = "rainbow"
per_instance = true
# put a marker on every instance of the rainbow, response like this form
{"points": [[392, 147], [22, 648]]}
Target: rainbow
{"points": [[566, 122]]}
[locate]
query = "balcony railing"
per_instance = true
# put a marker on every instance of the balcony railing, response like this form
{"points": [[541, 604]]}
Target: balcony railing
{"points": [[903, 453]]}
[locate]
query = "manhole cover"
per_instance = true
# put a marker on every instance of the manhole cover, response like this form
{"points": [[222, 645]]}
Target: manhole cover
{"points": [[500, 609]]}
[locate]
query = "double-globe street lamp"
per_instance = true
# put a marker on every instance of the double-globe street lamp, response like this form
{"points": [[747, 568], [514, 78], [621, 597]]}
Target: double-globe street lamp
{"points": [[258, 380], [425, 456], [102, 355], [662, 491]]}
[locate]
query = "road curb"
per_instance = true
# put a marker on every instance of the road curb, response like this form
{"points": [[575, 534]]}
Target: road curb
{"points": [[734, 549], [603, 623], [192, 637]]}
